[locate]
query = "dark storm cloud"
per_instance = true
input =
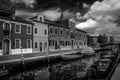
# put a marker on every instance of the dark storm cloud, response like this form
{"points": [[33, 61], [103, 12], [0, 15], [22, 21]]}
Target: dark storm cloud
{"points": [[47, 4], [32, 7]]}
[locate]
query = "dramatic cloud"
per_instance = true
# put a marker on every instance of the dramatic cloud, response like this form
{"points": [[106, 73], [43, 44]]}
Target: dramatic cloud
{"points": [[88, 24], [108, 29], [103, 14]]}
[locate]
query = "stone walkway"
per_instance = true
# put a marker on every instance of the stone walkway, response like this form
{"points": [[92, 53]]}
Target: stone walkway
{"points": [[116, 75]]}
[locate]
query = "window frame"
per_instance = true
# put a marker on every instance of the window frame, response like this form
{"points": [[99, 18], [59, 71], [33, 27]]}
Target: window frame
{"points": [[30, 43], [19, 28], [56, 31], [30, 29], [45, 31], [37, 30], [19, 43], [51, 30], [61, 32], [35, 45]]}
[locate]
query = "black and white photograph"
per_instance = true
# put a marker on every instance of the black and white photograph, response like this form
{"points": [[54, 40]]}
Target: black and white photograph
{"points": [[59, 39]]}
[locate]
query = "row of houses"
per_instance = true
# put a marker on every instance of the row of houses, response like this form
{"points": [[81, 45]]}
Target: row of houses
{"points": [[38, 35], [95, 41]]}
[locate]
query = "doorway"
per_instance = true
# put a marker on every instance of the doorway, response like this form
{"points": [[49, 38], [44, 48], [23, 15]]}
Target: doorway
{"points": [[56, 45], [6, 46], [40, 46]]}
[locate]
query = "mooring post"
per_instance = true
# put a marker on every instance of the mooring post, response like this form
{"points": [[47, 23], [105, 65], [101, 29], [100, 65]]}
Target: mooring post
{"points": [[22, 58]]}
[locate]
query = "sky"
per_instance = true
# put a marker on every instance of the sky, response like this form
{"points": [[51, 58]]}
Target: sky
{"points": [[93, 16]]}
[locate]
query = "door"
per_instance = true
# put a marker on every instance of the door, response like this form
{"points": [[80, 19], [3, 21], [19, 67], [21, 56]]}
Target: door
{"points": [[72, 44], [40, 46], [6, 46], [56, 44]]}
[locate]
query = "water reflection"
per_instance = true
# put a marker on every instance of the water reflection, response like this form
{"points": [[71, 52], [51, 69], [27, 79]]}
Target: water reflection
{"points": [[61, 71]]}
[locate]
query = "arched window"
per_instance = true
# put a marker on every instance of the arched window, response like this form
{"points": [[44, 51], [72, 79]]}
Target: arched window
{"points": [[6, 28], [45, 32]]}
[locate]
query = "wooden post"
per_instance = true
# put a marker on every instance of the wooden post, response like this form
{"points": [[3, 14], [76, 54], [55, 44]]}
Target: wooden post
{"points": [[22, 57]]}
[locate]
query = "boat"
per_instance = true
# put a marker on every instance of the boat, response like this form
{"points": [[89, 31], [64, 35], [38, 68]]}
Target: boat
{"points": [[87, 51], [102, 68]]}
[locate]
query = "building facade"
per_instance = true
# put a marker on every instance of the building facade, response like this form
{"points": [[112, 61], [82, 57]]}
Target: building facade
{"points": [[15, 33], [59, 37], [16, 36], [40, 34], [105, 39], [78, 37]]}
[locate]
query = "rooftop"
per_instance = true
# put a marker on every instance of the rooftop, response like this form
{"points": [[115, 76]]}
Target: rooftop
{"points": [[17, 19]]}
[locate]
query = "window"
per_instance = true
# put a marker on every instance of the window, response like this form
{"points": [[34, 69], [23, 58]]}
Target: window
{"points": [[49, 42], [45, 32], [53, 42], [6, 29], [7, 26], [17, 43], [67, 33], [51, 30], [40, 46], [36, 45], [29, 30], [35, 30], [45, 44], [56, 31], [17, 28], [40, 19], [29, 43], [61, 32]]}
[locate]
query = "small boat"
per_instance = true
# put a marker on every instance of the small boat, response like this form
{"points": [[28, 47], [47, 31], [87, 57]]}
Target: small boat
{"points": [[100, 69], [87, 51]]}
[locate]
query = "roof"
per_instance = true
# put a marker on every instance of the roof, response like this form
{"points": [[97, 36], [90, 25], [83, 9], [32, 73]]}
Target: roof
{"points": [[55, 24], [17, 19], [81, 30]]}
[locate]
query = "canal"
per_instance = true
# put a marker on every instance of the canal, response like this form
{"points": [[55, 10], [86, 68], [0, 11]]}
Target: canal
{"points": [[65, 70]]}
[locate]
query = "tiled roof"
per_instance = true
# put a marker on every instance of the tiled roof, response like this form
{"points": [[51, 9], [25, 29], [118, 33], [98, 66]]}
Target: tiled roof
{"points": [[17, 19]]}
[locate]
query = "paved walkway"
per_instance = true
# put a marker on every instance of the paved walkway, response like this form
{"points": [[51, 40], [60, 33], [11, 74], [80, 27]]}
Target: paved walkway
{"points": [[116, 75], [31, 56]]}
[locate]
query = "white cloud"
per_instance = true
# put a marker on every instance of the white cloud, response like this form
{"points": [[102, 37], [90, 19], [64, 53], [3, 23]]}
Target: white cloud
{"points": [[106, 5], [104, 14], [105, 8], [108, 29], [88, 24]]}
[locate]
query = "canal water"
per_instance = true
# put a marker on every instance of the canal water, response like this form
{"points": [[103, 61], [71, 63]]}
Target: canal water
{"points": [[65, 70]]}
